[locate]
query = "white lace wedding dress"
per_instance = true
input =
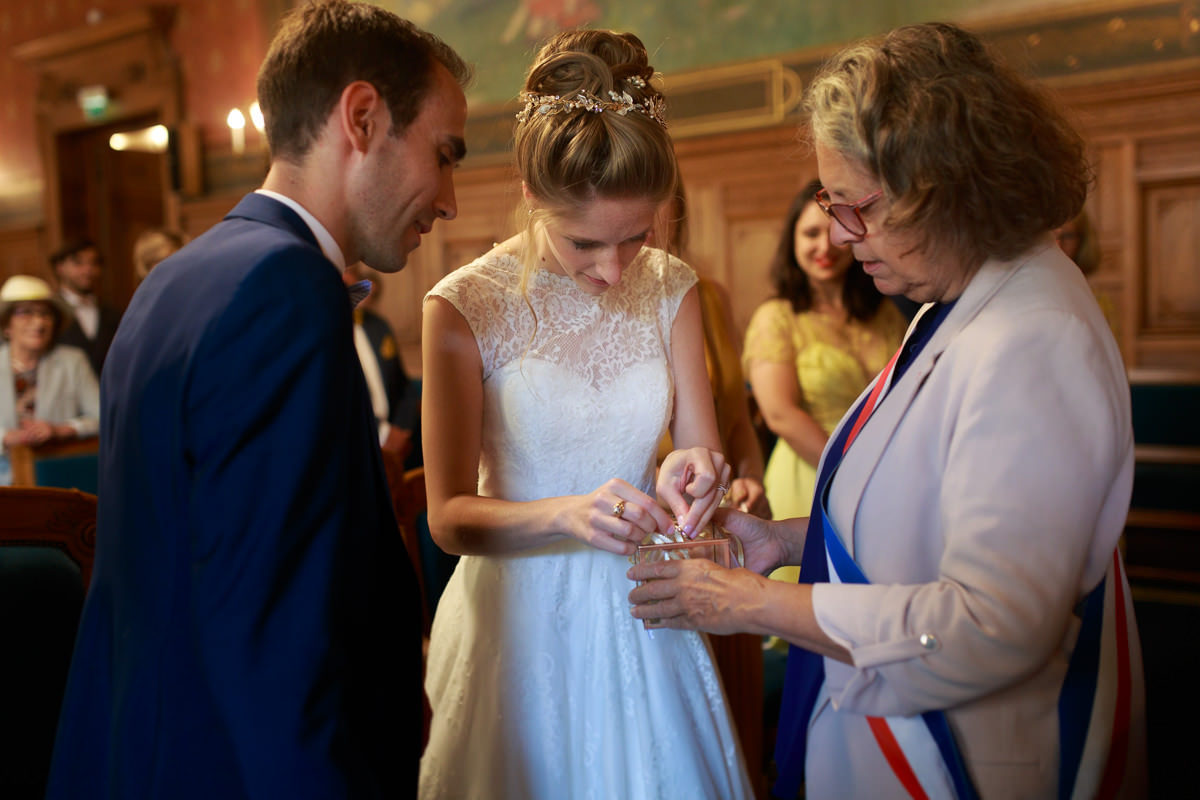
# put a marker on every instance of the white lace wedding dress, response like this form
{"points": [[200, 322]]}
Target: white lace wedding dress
{"points": [[542, 684]]}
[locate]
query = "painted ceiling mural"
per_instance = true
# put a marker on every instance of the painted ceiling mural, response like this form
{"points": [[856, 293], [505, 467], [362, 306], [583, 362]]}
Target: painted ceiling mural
{"points": [[501, 36]]}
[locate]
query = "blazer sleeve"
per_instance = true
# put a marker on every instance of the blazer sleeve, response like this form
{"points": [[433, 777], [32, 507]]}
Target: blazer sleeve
{"points": [[273, 400]]}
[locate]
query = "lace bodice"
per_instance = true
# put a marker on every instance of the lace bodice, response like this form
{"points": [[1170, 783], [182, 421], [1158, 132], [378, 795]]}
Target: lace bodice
{"points": [[577, 388]]}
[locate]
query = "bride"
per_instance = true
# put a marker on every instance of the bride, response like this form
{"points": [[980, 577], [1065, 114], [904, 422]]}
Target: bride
{"points": [[552, 367]]}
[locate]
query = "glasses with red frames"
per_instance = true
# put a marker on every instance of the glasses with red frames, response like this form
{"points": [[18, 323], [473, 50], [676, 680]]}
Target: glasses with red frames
{"points": [[848, 215]]}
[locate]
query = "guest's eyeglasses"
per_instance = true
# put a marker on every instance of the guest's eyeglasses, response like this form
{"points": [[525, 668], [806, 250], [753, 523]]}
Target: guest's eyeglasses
{"points": [[33, 311], [848, 215]]}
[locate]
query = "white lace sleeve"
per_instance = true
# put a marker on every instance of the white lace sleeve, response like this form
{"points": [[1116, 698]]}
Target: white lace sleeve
{"points": [[485, 293], [675, 279]]}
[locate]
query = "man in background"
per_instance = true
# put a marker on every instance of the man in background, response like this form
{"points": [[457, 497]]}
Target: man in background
{"points": [[77, 267], [253, 626], [395, 399]]}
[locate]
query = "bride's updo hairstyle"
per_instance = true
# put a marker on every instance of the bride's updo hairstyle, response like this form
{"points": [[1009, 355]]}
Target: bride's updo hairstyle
{"points": [[592, 125]]}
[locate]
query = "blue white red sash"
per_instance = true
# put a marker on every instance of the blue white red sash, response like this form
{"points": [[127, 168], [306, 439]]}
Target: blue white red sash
{"points": [[920, 750], [1094, 705]]}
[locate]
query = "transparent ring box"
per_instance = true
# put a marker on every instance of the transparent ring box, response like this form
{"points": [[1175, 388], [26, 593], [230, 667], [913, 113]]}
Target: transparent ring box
{"points": [[714, 543]]}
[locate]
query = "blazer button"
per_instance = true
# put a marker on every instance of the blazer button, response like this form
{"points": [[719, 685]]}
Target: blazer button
{"points": [[929, 641]]}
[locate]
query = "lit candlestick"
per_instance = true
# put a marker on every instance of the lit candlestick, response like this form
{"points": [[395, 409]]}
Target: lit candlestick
{"points": [[237, 129], [256, 116]]}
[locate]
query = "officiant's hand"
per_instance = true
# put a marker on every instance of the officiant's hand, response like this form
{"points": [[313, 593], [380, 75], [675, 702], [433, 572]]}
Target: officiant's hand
{"points": [[693, 483], [766, 544], [698, 594]]}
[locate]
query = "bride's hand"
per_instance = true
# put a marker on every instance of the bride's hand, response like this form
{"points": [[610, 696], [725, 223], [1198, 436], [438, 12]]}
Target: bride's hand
{"points": [[615, 517], [693, 483]]}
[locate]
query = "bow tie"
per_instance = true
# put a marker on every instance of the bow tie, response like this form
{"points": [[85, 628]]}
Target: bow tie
{"points": [[358, 292]]}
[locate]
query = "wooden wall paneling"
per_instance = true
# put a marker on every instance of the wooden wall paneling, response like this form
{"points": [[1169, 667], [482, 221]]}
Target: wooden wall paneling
{"points": [[707, 236], [752, 242], [127, 54], [1167, 188], [1108, 220], [1131, 269], [23, 252], [739, 186], [1172, 294]]}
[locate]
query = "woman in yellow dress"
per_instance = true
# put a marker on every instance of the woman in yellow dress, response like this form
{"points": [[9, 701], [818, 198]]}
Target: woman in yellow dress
{"points": [[812, 348]]}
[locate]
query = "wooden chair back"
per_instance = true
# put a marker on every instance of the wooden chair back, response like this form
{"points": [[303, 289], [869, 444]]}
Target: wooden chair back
{"points": [[51, 517], [67, 463], [41, 597]]}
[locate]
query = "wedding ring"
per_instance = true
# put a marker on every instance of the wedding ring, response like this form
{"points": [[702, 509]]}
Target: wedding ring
{"points": [[724, 489], [618, 508]]}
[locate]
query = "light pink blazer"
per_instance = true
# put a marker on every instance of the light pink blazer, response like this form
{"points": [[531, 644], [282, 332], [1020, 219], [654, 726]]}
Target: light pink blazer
{"points": [[983, 500]]}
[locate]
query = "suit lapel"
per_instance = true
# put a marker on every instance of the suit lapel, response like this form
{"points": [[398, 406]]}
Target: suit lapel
{"points": [[863, 457]]}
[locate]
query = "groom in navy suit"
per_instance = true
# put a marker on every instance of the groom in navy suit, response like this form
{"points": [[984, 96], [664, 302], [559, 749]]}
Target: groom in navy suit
{"points": [[252, 629]]}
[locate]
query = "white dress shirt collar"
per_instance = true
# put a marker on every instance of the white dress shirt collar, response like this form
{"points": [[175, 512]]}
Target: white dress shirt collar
{"points": [[324, 238]]}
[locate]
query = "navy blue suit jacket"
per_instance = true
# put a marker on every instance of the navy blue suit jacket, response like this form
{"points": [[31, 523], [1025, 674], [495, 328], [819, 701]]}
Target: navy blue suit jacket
{"points": [[253, 625]]}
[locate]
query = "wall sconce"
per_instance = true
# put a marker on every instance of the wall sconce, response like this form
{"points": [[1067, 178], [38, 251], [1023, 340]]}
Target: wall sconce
{"points": [[154, 139], [237, 130]]}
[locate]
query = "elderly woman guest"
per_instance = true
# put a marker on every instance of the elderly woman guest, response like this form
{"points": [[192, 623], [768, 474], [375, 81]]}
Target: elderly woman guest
{"points": [[974, 618], [47, 391]]}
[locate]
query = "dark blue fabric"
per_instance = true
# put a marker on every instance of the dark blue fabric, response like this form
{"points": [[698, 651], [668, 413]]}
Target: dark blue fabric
{"points": [[403, 393], [1079, 690], [805, 669], [252, 629]]}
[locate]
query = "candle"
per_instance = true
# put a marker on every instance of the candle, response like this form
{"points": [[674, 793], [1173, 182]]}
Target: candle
{"points": [[237, 130], [256, 116]]}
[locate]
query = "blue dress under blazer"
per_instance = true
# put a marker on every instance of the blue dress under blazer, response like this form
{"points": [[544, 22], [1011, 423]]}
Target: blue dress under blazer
{"points": [[983, 499], [252, 629]]}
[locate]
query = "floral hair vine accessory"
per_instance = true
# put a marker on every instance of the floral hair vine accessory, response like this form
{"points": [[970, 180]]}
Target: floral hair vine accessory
{"points": [[618, 103]]}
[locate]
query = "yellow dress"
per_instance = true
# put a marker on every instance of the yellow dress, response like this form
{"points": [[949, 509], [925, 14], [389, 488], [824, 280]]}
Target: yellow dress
{"points": [[834, 362]]}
